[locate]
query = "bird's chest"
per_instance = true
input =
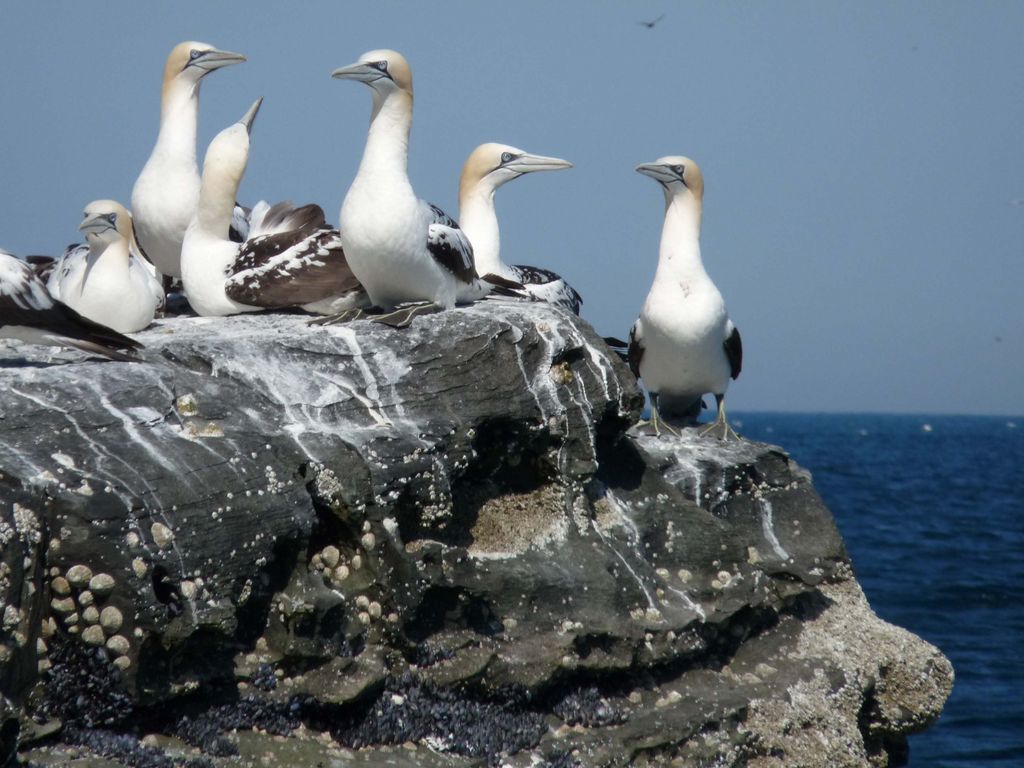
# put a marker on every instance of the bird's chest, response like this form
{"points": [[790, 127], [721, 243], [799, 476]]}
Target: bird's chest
{"points": [[382, 223], [165, 200], [685, 310]]}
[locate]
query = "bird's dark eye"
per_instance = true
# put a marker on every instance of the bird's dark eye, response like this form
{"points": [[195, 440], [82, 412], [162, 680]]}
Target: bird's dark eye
{"points": [[506, 157], [677, 169], [381, 65], [195, 54], [111, 217]]}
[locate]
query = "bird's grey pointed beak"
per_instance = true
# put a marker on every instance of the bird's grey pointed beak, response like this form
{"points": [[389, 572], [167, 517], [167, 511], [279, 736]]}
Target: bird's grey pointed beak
{"points": [[528, 163], [657, 171], [96, 223], [653, 170], [364, 73], [249, 117], [214, 59]]}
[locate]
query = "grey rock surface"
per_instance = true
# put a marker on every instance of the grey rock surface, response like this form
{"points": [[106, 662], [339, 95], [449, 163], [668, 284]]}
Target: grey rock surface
{"points": [[446, 537]]}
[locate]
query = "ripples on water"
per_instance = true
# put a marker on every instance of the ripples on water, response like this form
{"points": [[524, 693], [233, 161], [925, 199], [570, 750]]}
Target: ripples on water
{"points": [[932, 512]]}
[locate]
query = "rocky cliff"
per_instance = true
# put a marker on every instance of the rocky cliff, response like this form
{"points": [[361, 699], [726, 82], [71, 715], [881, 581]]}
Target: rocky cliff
{"points": [[276, 544]]}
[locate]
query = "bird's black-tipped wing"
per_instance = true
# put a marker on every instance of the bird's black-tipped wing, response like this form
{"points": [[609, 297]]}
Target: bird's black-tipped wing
{"points": [[635, 352], [449, 246], [26, 304], [545, 285], [733, 346], [291, 258]]}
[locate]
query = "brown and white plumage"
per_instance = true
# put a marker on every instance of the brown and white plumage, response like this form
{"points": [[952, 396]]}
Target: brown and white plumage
{"points": [[291, 258], [166, 193], [29, 313]]}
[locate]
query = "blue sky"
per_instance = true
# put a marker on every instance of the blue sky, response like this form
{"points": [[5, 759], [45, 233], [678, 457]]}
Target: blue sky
{"points": [[864, 162]]}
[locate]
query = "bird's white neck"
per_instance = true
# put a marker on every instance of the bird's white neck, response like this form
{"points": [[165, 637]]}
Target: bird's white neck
{"points": [[679, 257], [479, 221], [387, 144], [179, 110], [217, 195], [109, 253]]}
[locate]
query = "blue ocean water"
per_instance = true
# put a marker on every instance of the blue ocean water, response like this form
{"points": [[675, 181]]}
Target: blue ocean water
{"points": [[932, 512]]}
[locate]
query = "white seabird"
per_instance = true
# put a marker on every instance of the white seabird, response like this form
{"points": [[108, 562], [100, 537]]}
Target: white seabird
{"points": [[291, 258], [29, 313], [487, 168], [401, 248], [684, 344], [104, 281], [166, 193]]}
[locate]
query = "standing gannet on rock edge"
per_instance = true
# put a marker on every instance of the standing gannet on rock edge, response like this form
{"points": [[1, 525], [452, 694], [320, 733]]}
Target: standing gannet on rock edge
{"points": [[291, 258], [401, 248], [487, 168], [684, 344], [29, 313], [105, 282], [166, 193]]}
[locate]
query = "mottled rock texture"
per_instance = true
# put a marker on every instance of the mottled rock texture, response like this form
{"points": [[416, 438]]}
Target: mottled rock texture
{"points": [[442, 545]]}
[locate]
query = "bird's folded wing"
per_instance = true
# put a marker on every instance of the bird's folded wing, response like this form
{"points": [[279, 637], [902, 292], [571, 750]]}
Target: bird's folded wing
{"points": [[734, 351], [289, 269], [449, 246]]}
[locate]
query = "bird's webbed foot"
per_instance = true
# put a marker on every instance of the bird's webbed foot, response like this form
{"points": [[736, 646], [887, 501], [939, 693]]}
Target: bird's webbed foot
{"points": [[403, 316], [720, 426], [720, 430], [345, 316]]}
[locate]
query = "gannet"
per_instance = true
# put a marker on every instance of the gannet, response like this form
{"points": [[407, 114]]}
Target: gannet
{"points": [[166, 193], [291, 257], [29, 313], [105, 282], [401, 248], [684, 344], [487, 168]]}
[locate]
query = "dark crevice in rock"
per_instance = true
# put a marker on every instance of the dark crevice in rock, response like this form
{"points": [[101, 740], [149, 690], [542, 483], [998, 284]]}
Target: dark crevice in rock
{"points": [[585, 644], [568, 355], [711, 647], [806, 606], [620, 463], [448, 607], [880, 742], [251, 614], [206, 654], [166, 591]]}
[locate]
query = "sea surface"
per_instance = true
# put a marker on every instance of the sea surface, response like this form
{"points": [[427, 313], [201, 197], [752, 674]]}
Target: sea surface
{"points": [[932, 512]]}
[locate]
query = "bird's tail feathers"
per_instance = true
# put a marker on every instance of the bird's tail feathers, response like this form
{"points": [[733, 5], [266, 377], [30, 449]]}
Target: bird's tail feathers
{"points": [[90, 336], [268, 219], [502, 286], [98, 348]]}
